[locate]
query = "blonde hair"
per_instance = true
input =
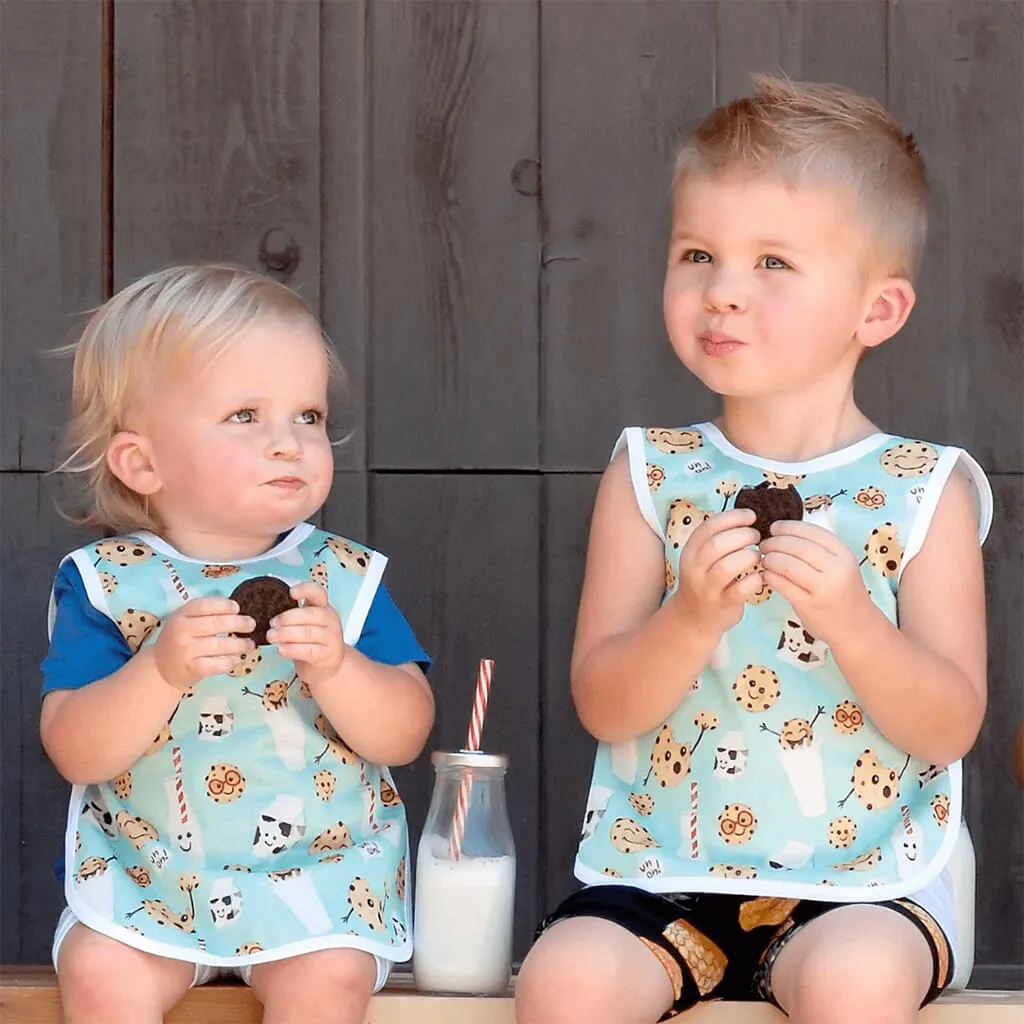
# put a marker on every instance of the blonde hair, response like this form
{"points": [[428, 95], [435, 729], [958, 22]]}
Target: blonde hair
{"points": [[151, 326], [825, 135]]}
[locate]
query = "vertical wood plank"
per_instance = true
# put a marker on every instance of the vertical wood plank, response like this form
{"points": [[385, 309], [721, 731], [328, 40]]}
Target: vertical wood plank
{"points": [[622, 83], [344, 302], [956, 74], [567, 752], [346, 509], [217, 137], [826, 41], [994, 802], [464, 553], [454, 234], [33, 539], [51, 80]]}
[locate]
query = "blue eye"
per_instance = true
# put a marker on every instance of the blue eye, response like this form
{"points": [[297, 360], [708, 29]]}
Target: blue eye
{"points": [[243, 416], [311, 417], [774, 263], [696, 256]]}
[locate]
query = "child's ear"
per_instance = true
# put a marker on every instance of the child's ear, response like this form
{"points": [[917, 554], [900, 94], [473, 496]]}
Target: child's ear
{"points": [[130, 460], [893, 300]]}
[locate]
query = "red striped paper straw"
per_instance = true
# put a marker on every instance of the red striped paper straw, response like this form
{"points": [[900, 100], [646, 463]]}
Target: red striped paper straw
{"points": [[476, 728]]}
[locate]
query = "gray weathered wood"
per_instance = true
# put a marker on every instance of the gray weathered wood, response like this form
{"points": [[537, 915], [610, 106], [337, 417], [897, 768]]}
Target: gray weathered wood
{"points": [[345, 511], [464, 553], [956, 77], [453, 234], [835, 41], [622, 81], [344, 209], [567, 750], [217, 137], [50, 212], [994, 802], [33, 539]]}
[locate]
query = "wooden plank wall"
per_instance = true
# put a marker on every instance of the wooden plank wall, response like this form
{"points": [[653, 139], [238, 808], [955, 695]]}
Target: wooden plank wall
{"points": [[474, 196]]}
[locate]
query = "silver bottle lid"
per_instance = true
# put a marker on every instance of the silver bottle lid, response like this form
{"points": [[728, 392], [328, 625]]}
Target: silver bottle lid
{"points": [[468, 759]]}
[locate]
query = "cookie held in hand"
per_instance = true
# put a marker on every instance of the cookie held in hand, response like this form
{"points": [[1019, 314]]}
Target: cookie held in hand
{"points": [[262, 598], [770, 504]]}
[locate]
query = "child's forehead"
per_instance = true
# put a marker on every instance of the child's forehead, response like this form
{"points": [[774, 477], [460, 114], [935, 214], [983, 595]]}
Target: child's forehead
{"points": [[760, 206]]}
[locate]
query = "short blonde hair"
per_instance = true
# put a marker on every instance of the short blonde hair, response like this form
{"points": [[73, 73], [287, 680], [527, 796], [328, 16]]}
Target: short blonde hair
{"points": [[823, 135], [148, 327]]}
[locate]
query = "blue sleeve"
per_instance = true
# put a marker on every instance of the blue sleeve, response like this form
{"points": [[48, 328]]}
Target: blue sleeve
{"points": [[387, 637], [85, 645]]}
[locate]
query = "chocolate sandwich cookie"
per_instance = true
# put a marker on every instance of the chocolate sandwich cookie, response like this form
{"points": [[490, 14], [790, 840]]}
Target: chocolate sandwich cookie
{"points": [[770, 504], [262, 598]]}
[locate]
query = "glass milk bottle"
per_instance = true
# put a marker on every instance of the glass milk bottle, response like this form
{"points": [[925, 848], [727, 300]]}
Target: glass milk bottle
{"points": [[465, 887]]}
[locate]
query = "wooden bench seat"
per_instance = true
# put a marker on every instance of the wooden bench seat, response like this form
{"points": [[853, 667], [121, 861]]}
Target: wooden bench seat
{"points": [[28, 995]]}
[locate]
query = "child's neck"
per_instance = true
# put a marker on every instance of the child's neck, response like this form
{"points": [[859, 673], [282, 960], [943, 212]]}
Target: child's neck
{"points": [[790, 432], [216, 547]]}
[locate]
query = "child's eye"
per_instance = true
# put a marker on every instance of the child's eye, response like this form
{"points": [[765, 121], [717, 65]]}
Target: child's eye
{"points": [[243, 416], [696, 256], [773, 263], [310, 418]]}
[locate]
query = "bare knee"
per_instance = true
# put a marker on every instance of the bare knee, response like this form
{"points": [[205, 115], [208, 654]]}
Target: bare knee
{"points": [[328, 985], [586, 969], [879, 974], [100, 977]]}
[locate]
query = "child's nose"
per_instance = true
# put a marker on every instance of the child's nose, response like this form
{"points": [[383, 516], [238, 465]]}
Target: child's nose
{"points": [[284, 444], [724, 294]]}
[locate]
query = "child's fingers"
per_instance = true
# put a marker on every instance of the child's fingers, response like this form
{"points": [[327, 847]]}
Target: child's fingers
{"points": [[202, 606], [311, 593], [793, 546], [218, 664], [221, 646], [318, 633], [726, 570]]}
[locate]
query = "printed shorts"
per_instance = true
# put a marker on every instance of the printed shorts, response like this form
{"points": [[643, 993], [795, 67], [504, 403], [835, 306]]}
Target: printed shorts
{"points": [[716, 946]]}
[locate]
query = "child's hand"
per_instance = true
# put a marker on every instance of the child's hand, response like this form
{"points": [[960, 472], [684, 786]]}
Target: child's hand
{"points": [[717, 571], [310, 636], [193, 644], [817, 574]]}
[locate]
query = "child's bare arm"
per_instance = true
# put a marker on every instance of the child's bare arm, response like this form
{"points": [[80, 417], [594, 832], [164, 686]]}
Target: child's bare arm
{"points": [[634, 659], [383, 712], [96, 732], [923, 683]]}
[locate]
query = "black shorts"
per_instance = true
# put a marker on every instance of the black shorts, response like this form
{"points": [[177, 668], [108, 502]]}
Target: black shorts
{"points": [[715, 946]]}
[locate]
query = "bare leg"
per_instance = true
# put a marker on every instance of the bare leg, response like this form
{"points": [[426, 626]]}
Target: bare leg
{"points": [[103, 981], [586, 970], [856, 965], [331, 986]]}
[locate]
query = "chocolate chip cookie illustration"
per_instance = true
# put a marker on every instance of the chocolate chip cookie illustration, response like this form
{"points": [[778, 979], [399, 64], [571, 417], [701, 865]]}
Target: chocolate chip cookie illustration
{"points": [[159, 740], [388, 796], [819, 502], [123, 552], [884, 551], [725, 489], [730, 871], [318, 574], [323, 784], [909, 458], [674, 442], [877, 785], [262, 598], [367, 904], [349, 557], [629, 836], [643, 803], [248, 947], [219, 572], [400, 880], [770, 504], [848, 718], [655, 476], [870, 498], [842, 832], [224, 783], [247, 662], [940, 809], [864, 862], [706, 961], [140, 876], [737, 824], [334, 837], [123, 785], [796, 733], [136, 626], [108, 582], [670, 576], [782, 480], [91, 867], [136, 830], [683, 518], [335, 744], [756, 688]]}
